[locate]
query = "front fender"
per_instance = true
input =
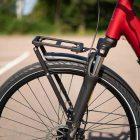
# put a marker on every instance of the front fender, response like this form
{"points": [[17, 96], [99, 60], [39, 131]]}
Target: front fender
{"points": [[52, 56]]}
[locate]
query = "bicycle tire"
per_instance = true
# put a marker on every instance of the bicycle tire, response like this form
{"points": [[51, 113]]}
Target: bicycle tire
{"points": [[108, 78]]}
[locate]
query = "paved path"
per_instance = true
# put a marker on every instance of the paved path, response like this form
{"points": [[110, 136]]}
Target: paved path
{"points": [[17, 52]]}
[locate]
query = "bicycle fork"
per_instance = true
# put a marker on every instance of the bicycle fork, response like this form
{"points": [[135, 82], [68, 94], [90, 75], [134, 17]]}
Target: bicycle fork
{"points": [[89, 83], [76, 113]]}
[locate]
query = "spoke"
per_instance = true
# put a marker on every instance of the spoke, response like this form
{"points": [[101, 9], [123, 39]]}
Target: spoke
{"points": [[40, 104], [48, 97], [61, 109], [23, 124], [97, 97], [107, 112], [70, 84], [104, 102], [104, 117], [33, 110], [68, 94], [24, 115], [18, 132], [58, 78], [59, 114], [107, 123], [63, 115], [48, 135]]}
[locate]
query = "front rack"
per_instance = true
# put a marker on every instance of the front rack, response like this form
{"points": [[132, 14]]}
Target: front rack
{"points": [[77, 47]]}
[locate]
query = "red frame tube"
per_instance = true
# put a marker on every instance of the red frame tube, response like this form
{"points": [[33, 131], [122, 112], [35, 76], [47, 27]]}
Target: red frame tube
{"points": [[125, 22]]}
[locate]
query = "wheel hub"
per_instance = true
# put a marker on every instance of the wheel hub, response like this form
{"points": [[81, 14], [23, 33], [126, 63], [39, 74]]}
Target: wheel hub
{"points": [[62, 133]]}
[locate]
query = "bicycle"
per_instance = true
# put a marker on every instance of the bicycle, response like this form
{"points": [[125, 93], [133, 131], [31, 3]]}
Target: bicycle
{"points": [[41, 101]]}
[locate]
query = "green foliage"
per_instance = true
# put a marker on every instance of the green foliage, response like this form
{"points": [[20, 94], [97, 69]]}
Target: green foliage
{"points": [[7, 7], [137, 1], [25, 26], [51, 16], [44, 10]]}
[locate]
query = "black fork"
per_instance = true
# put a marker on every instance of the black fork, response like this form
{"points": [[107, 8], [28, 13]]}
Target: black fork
{"points": [[89, 83], [75, 114]]}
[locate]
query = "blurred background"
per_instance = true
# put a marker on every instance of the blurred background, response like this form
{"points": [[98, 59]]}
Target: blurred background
{"points": [[54, 16], [21, 20]]}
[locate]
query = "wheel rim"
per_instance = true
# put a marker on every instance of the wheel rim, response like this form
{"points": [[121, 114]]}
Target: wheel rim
{"points": [[46, 123]]}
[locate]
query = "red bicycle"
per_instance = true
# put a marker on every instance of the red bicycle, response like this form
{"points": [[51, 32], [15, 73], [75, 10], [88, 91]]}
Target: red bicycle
{"points": [[67, 96]]}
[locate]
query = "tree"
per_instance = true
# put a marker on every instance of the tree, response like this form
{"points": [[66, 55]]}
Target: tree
{"points": [[57, 12], [7, 7], [19, 8]]}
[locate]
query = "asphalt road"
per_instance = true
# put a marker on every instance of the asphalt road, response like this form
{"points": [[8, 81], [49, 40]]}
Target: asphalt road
{"points": [[17, 52]]}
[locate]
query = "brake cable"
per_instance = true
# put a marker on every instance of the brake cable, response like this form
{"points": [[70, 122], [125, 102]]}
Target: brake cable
{"points": [[97, 25]]}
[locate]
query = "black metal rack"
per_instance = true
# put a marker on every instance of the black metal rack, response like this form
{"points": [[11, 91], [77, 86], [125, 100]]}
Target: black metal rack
{"points": [[77, 47]]}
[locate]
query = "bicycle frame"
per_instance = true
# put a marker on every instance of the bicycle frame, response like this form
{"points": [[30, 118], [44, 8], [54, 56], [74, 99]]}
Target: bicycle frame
{"points": [[125, 22]]}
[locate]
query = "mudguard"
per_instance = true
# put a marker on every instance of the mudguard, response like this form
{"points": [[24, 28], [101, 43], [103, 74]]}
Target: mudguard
{"points": [[52, 56]]}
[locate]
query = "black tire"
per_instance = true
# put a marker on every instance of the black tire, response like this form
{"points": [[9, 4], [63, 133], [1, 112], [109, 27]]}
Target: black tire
{"points": [[108, 79]]}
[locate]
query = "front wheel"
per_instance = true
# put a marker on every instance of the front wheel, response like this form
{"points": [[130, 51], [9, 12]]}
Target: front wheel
{"points": [[29, 109]]}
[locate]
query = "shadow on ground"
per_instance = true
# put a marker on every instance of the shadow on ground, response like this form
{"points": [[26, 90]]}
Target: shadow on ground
{"points": [[109, 136]]}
